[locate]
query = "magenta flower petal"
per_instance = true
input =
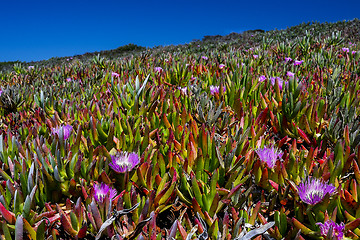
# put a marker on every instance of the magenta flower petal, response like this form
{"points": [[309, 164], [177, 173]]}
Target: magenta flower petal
{"points": [[269, 155], [66, 131], [279, 80], [221, 66], [114, 74], [346, 49], [314, 190], [214, 89], [262, 78], [296, 62], [290, 74], [337, 229], [158, 69], [205, 58], [183, 90], [124, 161], [287, 59], [101, 190]]}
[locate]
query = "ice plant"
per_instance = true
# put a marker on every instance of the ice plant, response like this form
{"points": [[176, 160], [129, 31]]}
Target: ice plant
{"points": [[337, 229], [215, 89], [269, 155], [255, 56], [287, 59], [101, 190], [221, 66], [158, 69], [114, 74], [279, 80], [68, 79], [296, 62], [314, 190], [204, 57], [183, 90], [290, 74], [262, 78], [66, 131], [124, 161], [345, 49]]}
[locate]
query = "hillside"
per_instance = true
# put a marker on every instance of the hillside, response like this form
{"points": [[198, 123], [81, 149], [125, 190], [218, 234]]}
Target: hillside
{"points": [[245, 136], [350, 32]]}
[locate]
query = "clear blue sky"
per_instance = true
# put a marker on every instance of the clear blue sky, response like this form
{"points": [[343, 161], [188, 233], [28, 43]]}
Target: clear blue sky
{"points": [[37, 29]]}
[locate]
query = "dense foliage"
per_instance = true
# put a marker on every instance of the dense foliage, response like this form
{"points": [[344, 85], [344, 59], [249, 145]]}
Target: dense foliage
{"points": [[254, 135]]}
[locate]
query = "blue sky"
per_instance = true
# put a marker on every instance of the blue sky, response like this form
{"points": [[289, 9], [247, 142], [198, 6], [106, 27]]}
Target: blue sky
{"points": [[37, 30]]}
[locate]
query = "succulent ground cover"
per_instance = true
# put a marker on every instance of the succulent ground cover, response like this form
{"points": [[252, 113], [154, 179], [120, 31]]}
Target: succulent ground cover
{"points": [[210, 140]]}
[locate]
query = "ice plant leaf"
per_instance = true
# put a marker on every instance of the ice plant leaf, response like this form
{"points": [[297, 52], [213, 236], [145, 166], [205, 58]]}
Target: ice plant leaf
{"points": [[7, 215], [256, 231]]}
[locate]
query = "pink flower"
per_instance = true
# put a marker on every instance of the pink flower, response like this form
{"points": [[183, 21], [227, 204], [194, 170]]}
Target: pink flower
{"points": [[262, 78], [279, 80], [114, 74], [183, 90], [287, 59], [66, 130], [158, 69], [345, 49], [124, 161], [31, 67], [290, 74], [337, 229], [68, 79], [353, 52], [205, 58], [255, 56], [269, 155], [221, 66], [314, 190], [215, 89], [296, 62], [102, 190]]}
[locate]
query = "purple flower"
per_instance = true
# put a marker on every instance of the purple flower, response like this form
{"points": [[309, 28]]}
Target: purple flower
{"points": [[124, 161], [65, 129], [158, 69], [183, 90], [314, 190], [345, 49], [279, 80], [204, 57], [353, 52], [221, 66], [255, 56], [215, 89], [269, 155], [337, 229], [114, 74], [31, 67], [296, 62], [1, 91], [290, 74], [262, 78], [287, 59], [68, 79], [102, 190]]}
